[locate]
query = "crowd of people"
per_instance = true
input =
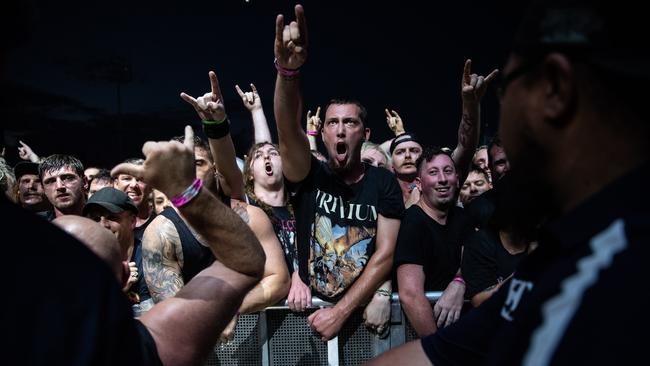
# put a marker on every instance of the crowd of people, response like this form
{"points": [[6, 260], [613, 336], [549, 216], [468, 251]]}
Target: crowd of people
{"points": [[526, 238]]}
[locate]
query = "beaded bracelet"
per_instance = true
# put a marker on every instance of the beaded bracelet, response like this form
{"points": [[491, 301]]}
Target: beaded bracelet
{"points": [[188, 194], [312, 132]]}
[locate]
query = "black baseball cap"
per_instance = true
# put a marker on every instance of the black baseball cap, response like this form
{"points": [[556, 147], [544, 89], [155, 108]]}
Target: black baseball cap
{"points": [[605, 33], [111, 199], [404, 137], [25, 167]]}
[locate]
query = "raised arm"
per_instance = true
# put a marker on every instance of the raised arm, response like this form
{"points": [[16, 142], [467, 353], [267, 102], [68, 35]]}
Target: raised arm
{"points": [[313, 127], [328, 321], [253, 103], [26, 153], [232, 242], [186, 326], [162, 258], [291, 53], [212, 112], [473, 89], [395, 123]]}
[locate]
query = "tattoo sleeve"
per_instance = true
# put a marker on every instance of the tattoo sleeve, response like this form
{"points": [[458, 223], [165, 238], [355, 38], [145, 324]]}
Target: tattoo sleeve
{"points": [[162, 259]]}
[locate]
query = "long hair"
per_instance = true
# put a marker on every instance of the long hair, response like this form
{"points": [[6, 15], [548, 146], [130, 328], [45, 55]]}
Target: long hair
{"points": [[249, 181]]}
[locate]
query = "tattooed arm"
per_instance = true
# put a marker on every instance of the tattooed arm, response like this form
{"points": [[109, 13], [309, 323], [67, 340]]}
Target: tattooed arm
{"points": [[162, 259], [473, 88]]}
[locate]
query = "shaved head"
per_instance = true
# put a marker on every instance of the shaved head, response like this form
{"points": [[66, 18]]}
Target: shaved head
{"points": [[99, 240]]}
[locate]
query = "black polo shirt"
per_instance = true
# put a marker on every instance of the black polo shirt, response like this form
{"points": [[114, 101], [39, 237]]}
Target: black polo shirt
{"points": [[577, 299]]}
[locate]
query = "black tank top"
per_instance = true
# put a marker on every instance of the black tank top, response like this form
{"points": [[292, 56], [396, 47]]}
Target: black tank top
{"points": [[196, 257]]}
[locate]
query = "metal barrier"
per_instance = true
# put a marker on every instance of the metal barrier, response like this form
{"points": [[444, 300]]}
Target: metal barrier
{"points": [[278, 336]]}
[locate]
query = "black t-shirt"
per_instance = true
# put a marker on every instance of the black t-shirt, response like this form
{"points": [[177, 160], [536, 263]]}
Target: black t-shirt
{"points": [[138, 232], [577, 299], [337, 224], [486, 262], [437, 248], [140, 287], [481, 208], [73, 311], [284, 226]]}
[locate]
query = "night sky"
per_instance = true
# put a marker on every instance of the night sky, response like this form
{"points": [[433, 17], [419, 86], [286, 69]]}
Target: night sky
{"points": [[97, 80]]}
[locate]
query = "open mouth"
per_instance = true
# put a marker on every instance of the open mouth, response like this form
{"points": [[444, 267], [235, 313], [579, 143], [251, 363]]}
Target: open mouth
{"points": [[341, 151], [268, 168]]}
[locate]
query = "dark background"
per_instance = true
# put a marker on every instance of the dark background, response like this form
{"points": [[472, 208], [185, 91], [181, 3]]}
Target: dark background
{"points": [[96, 80]]}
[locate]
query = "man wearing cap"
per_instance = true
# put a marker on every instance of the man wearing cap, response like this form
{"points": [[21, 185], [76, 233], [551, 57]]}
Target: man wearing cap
{"points": [[30, 192], [405, 151], [405, 148], [114, 210], [575, 127]]}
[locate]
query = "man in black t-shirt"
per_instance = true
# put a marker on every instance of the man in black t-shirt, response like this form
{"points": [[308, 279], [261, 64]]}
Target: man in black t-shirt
{"points": [[575, 127], [430, 245], [347, 212]]}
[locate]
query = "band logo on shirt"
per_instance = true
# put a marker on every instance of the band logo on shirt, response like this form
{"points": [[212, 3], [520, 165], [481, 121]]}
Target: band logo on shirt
{"points": [[351, 211], [515, 293]]}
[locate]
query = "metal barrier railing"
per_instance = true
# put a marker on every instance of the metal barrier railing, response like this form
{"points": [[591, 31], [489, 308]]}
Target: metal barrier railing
{"points": [[278, 336]]}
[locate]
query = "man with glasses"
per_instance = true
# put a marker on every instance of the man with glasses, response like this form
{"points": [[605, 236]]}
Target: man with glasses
{"points": [[574, 124]]}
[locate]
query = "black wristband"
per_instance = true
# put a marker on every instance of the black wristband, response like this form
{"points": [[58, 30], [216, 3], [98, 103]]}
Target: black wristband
{"points": [[216, 130]]}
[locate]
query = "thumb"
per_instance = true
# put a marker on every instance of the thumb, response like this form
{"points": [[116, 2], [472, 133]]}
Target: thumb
{"points": [[189, 138]]}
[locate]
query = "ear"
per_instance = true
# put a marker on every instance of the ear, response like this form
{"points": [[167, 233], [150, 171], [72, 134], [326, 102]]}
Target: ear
{"points": [[368, 131], [126, 272], [418, 183], [133, 221], [560, 88]]}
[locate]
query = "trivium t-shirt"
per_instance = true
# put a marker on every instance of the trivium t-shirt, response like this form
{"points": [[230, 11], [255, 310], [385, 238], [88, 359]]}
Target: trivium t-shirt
{"points": [[337, 224]]}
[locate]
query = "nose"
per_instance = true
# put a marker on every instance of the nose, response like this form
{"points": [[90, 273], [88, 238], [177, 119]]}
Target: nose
{"points": [[340, 129], [59, 184], [105, 223], [473, 188]]}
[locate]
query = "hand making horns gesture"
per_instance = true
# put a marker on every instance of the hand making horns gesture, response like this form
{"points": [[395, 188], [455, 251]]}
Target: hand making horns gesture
{"points": [[291, 41]]}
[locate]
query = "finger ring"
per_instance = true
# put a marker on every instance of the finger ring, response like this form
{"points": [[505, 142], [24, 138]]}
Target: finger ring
{"points": [[134, 274]]}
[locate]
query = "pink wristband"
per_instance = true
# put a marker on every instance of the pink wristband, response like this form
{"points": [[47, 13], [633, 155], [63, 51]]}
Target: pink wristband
{"points": [[285, 72], [459, 279], [312, 133], [188, 194]]}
